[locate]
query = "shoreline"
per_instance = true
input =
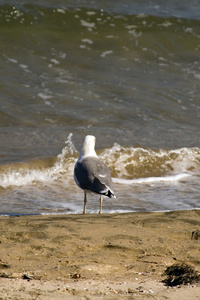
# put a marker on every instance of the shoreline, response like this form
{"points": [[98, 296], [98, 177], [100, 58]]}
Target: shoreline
{"points": [[119, 212], [97, 256]]}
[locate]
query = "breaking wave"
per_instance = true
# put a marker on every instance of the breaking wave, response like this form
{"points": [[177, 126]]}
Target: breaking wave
{"points": [[128, 165]]}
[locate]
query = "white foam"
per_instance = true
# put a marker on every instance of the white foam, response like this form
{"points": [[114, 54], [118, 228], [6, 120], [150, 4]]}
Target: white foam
{"points": [[91, 13], [87, 24], [105, 53], [44, 96], [87, 41], [11, 59], [23, 66], [55, 61], [24, 175], [171, 178], [61, 10]]}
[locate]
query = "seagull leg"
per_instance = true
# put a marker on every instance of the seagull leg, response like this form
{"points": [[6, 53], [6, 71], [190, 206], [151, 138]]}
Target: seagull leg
{"points": [[101, 200], [85, 201]]}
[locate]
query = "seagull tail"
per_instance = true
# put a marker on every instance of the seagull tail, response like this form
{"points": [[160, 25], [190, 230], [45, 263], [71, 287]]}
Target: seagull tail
{"points": [[110, 194]]}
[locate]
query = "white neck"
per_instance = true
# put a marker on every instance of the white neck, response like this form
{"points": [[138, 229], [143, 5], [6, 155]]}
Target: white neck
{"points": [[88, 147]]}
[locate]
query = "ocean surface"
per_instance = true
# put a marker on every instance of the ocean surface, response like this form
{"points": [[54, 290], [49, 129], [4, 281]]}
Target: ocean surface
{"points": [[127, 72]]}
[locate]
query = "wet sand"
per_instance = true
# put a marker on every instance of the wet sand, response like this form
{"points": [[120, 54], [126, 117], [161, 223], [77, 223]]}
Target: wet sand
{"points": [[106, 256]]}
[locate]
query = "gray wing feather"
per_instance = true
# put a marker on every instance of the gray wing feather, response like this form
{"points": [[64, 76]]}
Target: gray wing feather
{"points": [[92, 174]]}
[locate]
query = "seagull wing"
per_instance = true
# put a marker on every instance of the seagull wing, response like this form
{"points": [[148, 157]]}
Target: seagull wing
{"points": [[92, 174]]}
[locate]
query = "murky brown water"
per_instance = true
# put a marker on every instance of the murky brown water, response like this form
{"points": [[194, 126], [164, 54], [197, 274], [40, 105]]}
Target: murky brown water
{"points": [[129, 74]]}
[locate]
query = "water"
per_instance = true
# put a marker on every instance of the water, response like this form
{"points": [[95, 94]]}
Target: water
{"points": [[126, 72]]}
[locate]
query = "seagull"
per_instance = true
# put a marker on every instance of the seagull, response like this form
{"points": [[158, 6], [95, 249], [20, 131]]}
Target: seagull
{"points": [[91, 174]]}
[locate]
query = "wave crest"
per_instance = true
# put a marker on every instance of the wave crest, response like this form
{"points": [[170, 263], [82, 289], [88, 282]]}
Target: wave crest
{"points": [[127, 164]]}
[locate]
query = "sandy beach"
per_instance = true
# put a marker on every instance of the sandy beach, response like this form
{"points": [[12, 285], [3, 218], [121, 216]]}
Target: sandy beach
{"points": [[106, 256]]}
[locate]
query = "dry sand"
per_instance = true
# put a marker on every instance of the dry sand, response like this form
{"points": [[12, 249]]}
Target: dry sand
{"points": [[97, 256]]}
